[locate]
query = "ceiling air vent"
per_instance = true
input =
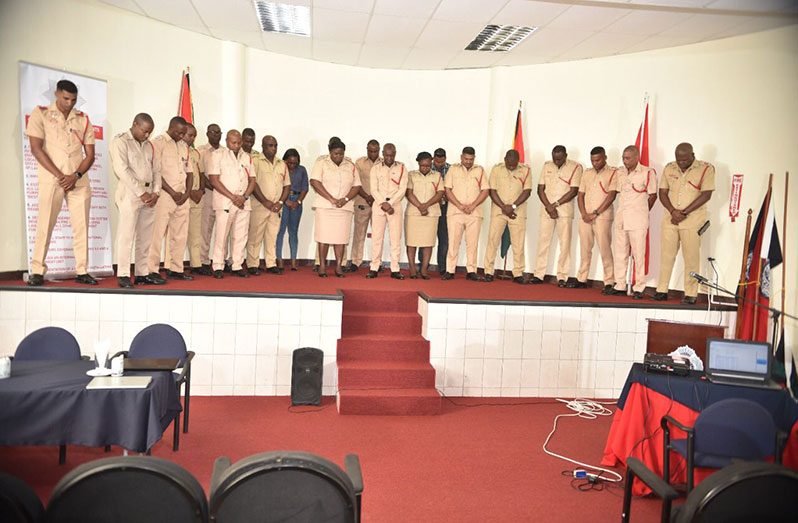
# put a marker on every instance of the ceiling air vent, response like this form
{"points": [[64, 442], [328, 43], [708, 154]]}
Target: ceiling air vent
{"points": [[283, 18], [499, 38]]}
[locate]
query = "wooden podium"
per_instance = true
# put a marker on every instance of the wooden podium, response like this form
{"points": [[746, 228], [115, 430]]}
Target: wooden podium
{"points": [[666, 336]]}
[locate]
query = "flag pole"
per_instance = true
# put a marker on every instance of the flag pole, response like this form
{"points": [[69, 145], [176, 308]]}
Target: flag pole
{"points": [[784, 247], [759, 276], [742, 282]]}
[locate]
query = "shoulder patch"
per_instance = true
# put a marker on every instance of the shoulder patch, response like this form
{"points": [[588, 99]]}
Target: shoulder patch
{"points": [[43, 107]]}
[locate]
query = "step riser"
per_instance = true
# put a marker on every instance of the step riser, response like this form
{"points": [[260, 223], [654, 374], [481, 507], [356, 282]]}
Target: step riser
{"points": [[398, 325], [351, 350], [385, 378], [396, 302], [389, 406]]}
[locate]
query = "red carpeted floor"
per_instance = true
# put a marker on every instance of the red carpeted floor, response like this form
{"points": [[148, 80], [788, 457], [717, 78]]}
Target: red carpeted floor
{"points": [[482, 463]]}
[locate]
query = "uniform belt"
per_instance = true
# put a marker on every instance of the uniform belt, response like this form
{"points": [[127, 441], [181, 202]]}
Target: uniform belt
{"points": [[294, 193], [146, 184]]}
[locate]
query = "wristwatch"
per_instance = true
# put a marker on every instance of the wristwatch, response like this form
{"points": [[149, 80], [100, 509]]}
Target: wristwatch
{"points": [[280, 202], [79, 174], [346, 198], [557, 203], [596, 212], [514, 206]]}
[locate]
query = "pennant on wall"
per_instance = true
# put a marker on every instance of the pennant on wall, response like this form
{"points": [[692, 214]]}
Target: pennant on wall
{"points": [[185, 107]]}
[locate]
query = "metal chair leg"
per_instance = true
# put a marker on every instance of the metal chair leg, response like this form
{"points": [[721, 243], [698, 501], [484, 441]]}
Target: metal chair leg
{"points": [[61, 454], [186, 401], [176, 440]]}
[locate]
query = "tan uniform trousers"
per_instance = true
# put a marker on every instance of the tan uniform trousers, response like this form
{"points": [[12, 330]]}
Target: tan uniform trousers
{"points": [[517, 239], [195, 215], [234, 223], [362, 218], [379, 220], [564, 227], [690, 241], [51, 199], [135, 225], [624, 242], [169, 215], [600, 232], [206, 230], [263, 228], [458, 224]]}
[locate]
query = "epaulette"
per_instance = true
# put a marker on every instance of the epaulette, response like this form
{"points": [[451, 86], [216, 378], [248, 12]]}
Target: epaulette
{"points": [[79, 113], [43, 107]]}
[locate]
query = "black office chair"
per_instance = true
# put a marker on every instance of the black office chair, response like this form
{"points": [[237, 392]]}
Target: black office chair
{"points": [[286, 487], [49, 344], [740, 493], [164, 341], [128, 490], [18, 502], [730, 430]]}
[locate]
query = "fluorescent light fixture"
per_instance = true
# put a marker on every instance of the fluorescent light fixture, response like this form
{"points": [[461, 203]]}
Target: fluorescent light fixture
{"points": [[283, 18], [499, 38]]}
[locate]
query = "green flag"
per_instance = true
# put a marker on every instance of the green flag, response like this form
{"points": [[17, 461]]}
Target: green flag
{"points": [[505, 241]]}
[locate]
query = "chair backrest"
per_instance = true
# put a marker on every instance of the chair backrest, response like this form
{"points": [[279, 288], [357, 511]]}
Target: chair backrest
{"points": [[736, 427], [48, 343], [158, 341], [749, 491], [284, 486], [128, 489], [18, 502]]}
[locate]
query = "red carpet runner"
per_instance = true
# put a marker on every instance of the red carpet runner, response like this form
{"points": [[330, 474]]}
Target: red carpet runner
{"points": [[383, 361]]}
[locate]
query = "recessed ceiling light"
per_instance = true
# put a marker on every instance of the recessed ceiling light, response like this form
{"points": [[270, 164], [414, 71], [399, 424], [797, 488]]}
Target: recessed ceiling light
{"points": [[499, 38], [283, 18]]}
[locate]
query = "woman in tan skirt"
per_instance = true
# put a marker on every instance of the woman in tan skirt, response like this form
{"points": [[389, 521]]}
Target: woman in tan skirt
{"points": [[336, 181], [424, 191]]}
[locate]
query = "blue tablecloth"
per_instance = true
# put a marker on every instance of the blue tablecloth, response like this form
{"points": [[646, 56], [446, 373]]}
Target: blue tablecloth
{"points": [[46, 403]]}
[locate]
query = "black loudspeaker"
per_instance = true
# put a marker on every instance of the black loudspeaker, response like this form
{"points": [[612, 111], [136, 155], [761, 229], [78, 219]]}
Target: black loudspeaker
{"points": [[306, 376]]}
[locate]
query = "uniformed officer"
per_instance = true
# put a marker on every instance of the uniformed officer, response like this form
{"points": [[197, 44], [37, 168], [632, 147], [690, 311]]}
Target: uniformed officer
{"points": [[388, 185], [424, 193], [319, 159], [214, 135], [510, 188], [684, 189], [195, 201], [248, 142], [170, 163], [597, 191], [233, 178], [441, 166], [271, 191], [136, 195], [637, 186], [558, 185], [466, 188], [62, 141], [363, 203]]}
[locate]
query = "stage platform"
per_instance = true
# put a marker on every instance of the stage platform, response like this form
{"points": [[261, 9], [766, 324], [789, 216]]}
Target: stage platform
{"points": [[486, 339]]}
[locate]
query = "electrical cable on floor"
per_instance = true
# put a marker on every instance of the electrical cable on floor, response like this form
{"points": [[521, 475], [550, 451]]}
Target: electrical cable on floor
{"points": [[585, 409]]}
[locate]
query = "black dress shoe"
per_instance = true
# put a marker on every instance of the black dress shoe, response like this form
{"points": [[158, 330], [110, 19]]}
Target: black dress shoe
{"points": [[274, 270], [561, 284], [228, 267], [607, 291], [447, 276], [577, 284], [315, 268], [371, 274], [124, 282], [519, 279], [637, 295], [205, 270], [241, 273], [534, 280], [660, 296], [381, 269], [397, 275], [488, 278], [253, 271], [218, 275], [350, 267], [172, 275], [424, 276], [152, 278], [616, 292], [85, 279], [688, 300], [35, 280], [473, 276]]}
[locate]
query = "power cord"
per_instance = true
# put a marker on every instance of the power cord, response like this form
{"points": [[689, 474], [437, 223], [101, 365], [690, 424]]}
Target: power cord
{"points": [[586, 409]]}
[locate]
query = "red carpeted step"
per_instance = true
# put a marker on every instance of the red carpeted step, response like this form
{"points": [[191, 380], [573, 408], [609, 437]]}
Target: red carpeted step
{"points": [[380, 301], [385, 323], [382, 348], [376, 374], [399, 402]]}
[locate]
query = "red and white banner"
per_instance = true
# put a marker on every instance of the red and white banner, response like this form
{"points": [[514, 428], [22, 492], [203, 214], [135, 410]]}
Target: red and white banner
{"points": [[37, 87], [734, 198]]}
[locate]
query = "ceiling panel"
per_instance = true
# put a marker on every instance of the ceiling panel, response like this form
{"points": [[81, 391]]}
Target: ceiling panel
{"points": [[428, 58], [480, 11], [338, 26], [179, 13], [552, 42], [646, 22], [232, 14], [703, 26], [588, 18], [517, 59], [601, 44], [292, 45], [249, 38], [382, 57], [409, 8], [394, 30], [358, 6], [448, 35], [661, 42], [535, 14], [128, 5], [752, 5], [752, 25], [336, 52], [468, 59], [672, 3]]}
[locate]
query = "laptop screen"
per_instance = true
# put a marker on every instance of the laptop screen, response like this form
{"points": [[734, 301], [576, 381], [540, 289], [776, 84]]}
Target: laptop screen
{"points": [[738, 357]]}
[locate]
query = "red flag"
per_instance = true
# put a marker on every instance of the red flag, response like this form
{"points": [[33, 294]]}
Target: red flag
{"points": [[641, 142], [184, 107], [518, 138]]}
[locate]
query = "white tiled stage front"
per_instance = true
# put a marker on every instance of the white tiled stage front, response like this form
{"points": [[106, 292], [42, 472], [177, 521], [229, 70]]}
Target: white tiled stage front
{"points": [[244, 344]]}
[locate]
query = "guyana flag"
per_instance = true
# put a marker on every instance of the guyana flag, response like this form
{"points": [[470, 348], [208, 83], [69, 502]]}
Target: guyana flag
{"points": [[185, 107], [518, 145]]}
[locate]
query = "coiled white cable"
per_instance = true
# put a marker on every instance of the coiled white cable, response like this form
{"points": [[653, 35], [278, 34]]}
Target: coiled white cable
{"points": [[587, 409]]}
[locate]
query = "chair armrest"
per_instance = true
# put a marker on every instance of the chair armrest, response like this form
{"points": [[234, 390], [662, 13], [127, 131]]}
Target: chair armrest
{"points": [[120, 353], [85, 357], [180, 378], [221, 464], [352, 464], [647, 476], [673, 421]]}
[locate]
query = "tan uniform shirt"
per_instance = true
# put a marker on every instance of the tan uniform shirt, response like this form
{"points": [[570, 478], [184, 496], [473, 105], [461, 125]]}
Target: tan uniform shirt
{"points": [[596, 186], [271, 177], [424, 187], [234, 172], [684, 187], [633, 190], [205, 151], [466, 186], [364, 166], [509, 185], [171, 161], [132, 163], [557, 182], [64, 138], [388, 184], [194, 167], [338, 180]]}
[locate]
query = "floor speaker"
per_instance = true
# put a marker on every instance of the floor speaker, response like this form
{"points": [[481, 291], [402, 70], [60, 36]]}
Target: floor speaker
{"points": [[306, 376]]}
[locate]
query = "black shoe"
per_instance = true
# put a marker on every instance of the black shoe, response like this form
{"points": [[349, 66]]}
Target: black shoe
{"points": [[172, 275], [381, 269], [274, 270], [124, 282], [688, 300], [315, 268], [35, 280], [488, 278], [397, 275], [473, 276], [241, 273], [534, 280], [254, 271], [561, 284], [424, 276], [660, 296], [218, 275], [228, 267], [447, 276], [350, 267], [205, 270], [519, 279], [371, 274], [637, 295], [152, 278], [616, 292], [85, 279], [577, 284], [607, 291]]}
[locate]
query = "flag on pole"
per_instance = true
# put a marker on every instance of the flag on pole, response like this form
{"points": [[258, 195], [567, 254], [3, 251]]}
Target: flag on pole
{"points": [[793, 379], [641, 142], [779, 371], [764, 255], [185, 107], [518, 145]]}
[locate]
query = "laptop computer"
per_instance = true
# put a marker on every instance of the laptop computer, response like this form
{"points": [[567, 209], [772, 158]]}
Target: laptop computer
{"points": [[741, 363]]}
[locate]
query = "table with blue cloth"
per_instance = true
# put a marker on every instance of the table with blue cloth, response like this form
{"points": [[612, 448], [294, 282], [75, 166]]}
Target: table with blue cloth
{"points": [[46, 403]]}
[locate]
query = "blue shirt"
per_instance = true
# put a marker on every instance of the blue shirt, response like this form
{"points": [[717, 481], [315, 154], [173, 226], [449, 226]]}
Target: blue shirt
{"points": [[299, 179]]}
